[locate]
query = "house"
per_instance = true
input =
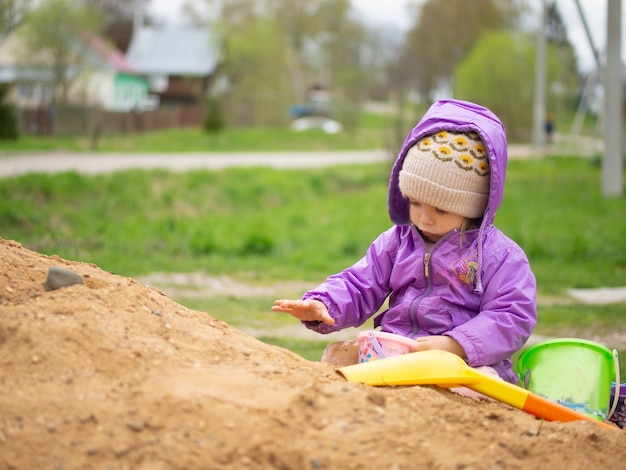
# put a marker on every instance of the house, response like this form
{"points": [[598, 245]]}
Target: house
{"points": [[106, 81], [112, 82], [28, 87], [180, 62]]}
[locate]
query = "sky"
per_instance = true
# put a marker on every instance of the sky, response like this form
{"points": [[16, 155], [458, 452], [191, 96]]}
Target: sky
{"points": [[394, 13]]}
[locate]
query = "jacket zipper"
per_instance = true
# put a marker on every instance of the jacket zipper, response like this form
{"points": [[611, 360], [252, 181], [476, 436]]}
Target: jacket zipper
{"points": [[428, 289], [434, 247]]}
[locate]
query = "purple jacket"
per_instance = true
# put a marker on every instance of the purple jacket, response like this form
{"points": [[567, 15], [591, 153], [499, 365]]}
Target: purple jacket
{"points": [[479, 289]]}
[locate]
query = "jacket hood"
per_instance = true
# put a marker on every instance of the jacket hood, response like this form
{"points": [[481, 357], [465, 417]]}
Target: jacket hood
{"points": [[455, 116]]}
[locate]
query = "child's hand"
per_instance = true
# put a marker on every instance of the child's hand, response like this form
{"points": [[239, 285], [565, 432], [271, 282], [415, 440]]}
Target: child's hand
{"points": [[443, 343], [304, 310]]}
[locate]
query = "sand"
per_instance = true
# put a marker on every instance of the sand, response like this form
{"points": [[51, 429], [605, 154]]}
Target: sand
{"points": [[112, 374]]}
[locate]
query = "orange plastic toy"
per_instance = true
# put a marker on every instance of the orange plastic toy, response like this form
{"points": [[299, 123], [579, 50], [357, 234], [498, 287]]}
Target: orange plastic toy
{"points": [[449, 370]]}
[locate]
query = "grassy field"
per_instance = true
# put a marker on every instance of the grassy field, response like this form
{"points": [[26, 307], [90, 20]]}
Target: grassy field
{"points": [[297, 224], [262, 226]]}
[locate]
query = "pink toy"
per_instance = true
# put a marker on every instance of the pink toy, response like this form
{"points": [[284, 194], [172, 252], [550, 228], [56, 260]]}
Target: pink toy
{"points": [[379, 345]]}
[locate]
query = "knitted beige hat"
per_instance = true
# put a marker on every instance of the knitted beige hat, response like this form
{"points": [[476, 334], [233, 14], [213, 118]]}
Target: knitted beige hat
{"points": [[450, 171]]}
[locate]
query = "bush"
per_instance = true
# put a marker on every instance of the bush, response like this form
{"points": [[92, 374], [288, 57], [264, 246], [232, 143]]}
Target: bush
{"points": [[8, 120], [213, 121]]}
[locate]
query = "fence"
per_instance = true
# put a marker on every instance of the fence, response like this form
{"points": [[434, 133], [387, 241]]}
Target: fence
{"points": [[74, 121]]}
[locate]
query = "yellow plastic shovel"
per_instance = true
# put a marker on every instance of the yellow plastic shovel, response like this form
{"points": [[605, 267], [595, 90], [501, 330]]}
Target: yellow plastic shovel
{"points": [[449, 370]]}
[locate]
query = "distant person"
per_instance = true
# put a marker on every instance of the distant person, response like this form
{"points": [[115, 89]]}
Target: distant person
{"points": [[549, 128], [454, 281]]}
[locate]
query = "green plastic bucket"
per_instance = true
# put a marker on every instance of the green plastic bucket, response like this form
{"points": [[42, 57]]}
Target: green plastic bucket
{"points": [[573, 372]]}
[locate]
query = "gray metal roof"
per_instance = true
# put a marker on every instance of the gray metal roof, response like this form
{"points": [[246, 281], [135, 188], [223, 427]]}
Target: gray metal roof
{"points": [[173, 50]]}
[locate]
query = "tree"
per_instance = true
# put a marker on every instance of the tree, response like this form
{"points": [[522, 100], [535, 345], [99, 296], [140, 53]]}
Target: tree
{"points": [[259, 92], [116, 10], [445, 32], [275, 50], [340, 64], [213, 121], [118, 18], [564, 80], [11, 12], [556, 30], [52, 39], [499, 73], [8, 120]]}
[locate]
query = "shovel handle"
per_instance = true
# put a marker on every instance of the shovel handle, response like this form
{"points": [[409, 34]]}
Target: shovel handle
{"points": [[529, 402], [551, 411]]}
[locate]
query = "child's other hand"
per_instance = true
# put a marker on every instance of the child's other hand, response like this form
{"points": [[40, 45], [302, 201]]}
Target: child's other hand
{"points": [[304, 310], [443, 343]]}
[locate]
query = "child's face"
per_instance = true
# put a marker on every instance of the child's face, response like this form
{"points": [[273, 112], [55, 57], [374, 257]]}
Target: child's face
{"points": [[432, 222]]}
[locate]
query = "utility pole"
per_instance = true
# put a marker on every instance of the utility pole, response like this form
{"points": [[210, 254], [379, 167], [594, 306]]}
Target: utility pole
{"points": [[539, 115], [613, 159]]}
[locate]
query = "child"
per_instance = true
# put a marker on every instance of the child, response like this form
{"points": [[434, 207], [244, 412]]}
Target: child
{"points": [[454, 281]]}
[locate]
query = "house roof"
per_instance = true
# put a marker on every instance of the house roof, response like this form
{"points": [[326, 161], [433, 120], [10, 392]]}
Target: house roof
{"points": [[111, 56], [101, 54], [173, 51]]}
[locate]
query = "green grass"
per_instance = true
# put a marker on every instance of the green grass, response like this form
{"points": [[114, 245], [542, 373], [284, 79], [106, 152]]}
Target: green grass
{"points": [[311, 350], [579, 319], [238, 220], [249, 312], [296, 224], [584, 321], [573, 235]]}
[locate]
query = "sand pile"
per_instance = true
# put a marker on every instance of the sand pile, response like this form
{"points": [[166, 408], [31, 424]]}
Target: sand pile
{"points": [[114, 374]]}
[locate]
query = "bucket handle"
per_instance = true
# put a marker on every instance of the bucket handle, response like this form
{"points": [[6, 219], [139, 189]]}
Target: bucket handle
{"points": [[617, 384], [377, 347]]}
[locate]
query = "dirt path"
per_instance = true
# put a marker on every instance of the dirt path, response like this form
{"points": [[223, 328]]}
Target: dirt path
{"points": [[17, 163], [13, 164]]}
